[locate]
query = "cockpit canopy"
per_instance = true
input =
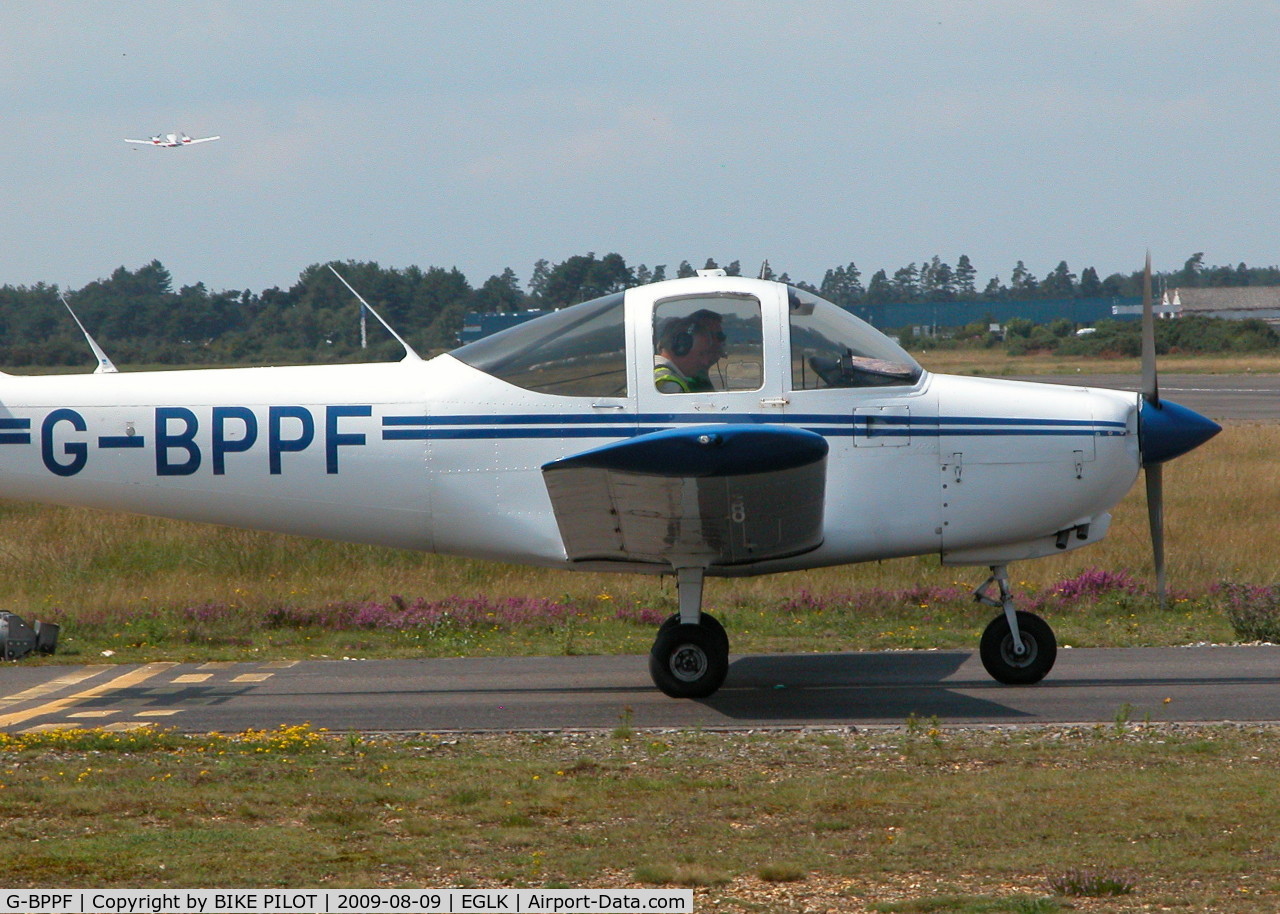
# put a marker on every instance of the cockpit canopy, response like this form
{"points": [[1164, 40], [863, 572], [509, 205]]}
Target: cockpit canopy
{"points": [[832, 348], [581, 350]]}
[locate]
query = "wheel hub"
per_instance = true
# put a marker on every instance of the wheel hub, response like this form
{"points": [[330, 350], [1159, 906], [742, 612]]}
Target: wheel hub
{"points": [[1010, 654], [688, 663]]}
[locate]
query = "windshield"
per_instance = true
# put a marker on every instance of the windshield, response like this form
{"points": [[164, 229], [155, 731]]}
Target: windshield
{"points": [[578, 351], [832, 348]]}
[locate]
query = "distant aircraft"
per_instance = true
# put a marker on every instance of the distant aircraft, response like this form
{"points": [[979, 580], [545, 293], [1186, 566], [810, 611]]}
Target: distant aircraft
{"points": [[170, 140], [818, 441]]}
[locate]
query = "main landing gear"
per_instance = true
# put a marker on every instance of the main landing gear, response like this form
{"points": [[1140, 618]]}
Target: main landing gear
{"points": [[690, 656], [1017, 648]]}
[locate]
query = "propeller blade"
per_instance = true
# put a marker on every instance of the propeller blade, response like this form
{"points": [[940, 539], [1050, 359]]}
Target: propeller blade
{"points": [[1152, 469], [1150, 383], [1155, 516]]}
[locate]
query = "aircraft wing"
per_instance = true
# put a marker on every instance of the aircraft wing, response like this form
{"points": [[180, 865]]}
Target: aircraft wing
{"points": [[144, 142], [203, 139], [707, 495]]}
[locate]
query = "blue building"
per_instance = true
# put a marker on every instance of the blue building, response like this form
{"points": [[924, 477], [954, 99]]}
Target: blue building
{"points": [[476, 326], [946, 314]]}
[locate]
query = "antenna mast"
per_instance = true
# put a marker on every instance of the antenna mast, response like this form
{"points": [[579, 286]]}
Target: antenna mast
{"points": [[409, 354]]}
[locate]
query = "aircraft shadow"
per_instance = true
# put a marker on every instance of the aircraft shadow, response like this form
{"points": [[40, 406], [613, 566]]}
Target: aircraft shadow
{"points": [[140, 698], [834, 687]]}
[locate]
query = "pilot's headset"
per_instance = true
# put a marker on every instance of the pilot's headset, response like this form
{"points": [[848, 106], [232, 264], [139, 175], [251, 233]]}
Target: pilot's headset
{"points": [[677, 336]]}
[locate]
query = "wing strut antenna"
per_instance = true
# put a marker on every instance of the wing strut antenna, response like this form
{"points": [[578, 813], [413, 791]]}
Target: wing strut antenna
{"points": [[409, 354], [105, 365]]}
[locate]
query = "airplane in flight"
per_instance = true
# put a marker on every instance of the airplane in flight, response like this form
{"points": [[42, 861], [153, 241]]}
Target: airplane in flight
{"points": [[172, 140], [707, 426]]}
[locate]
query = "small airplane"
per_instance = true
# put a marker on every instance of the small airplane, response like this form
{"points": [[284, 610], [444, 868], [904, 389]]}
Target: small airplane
{"points": [[711, 425], [171, 140]]}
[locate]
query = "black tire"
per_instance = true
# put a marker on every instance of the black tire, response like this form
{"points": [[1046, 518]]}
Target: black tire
{"points": [[707, 621], [689, 661], [997, 651]]}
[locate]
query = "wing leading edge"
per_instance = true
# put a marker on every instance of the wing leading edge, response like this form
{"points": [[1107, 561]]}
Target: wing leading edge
{"points": [[708, 496]]}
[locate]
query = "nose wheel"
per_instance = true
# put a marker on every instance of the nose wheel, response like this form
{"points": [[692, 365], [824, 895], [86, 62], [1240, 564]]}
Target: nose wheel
{"points": [[1007, 664], [1017, 647]]}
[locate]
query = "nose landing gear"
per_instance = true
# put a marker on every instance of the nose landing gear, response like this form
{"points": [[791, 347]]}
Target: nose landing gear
{"points": [[1017, 648]]}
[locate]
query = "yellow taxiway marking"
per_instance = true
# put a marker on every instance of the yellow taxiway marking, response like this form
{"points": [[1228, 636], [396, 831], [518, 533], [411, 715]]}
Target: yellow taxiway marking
{"points": [[166, 713], [53, 685], [280, 664], [193, 677], [253, 677], [123, 681], [103, 713]]}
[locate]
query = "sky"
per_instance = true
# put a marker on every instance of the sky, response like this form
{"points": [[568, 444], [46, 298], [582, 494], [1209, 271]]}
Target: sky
{"points": [[486, 135]]}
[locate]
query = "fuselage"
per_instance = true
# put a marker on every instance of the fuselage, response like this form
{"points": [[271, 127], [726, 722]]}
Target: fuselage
{"points": [[447, 455]]}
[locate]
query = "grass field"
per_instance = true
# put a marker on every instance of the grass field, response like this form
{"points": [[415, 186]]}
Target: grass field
{"points": [[913, 819], [921, 817], [996, 363], [148, 589]]}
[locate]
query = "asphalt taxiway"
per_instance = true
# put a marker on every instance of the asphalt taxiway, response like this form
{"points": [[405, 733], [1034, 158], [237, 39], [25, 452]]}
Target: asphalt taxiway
{"points": [[1192, 684], [1250, 397], [1189, 684]]}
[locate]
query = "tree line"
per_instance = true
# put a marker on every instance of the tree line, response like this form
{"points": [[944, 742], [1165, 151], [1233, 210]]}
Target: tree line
{"points": [[139, 318]]}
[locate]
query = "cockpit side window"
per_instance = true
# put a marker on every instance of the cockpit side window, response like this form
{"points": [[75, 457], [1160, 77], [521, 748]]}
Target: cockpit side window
{"points": [[832, 348], [707, 343], [578, 351]]}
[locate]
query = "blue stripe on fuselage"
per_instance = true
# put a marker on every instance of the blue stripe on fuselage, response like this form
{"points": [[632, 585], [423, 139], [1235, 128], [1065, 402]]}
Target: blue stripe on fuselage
{"points": [[473, 427]]}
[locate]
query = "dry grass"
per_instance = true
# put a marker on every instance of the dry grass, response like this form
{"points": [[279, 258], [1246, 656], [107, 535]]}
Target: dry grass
{"points": [[1221, 505], [137, 586], [997, 363], [881, 820]]}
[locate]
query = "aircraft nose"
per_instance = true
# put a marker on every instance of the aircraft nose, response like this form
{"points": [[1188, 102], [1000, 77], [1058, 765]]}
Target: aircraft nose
{"points": [[1167, 430]]}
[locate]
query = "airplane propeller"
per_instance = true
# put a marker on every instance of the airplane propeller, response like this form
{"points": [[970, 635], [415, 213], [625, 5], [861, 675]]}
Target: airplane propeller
{"points": [[1166, 430], [1151, 396]]}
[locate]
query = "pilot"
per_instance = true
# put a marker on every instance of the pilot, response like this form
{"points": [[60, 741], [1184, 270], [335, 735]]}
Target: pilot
{"points": [[687, 348]]}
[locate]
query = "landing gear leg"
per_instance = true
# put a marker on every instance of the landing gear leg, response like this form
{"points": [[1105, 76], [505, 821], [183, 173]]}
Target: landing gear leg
{"points": [[690, 656], [1017, 648], [689, 587]]}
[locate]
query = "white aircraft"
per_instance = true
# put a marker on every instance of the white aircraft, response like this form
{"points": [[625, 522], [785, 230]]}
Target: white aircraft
{"points": [[170, 140], [819, 442]]}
